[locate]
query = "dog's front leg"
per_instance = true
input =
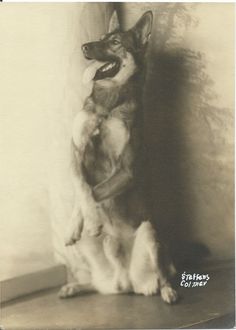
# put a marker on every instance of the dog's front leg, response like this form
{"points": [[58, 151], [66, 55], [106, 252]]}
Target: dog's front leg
{"points": [[90, 209], [115, 185], [75, 227], [85, 124], [121, 179]]}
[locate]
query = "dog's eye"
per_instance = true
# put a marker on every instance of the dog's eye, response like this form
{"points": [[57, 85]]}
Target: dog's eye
{"points": [[115, 42]]}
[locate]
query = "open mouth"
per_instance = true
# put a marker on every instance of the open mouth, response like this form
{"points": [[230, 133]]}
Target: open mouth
{"points": [[98, 70], [108, 70]]}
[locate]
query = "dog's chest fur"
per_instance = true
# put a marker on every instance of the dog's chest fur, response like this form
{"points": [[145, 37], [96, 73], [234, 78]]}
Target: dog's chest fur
{"points": [[114, 136], [105, 149]]}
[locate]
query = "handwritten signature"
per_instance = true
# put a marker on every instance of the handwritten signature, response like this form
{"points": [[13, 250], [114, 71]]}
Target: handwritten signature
{"points": [[194, 280]]}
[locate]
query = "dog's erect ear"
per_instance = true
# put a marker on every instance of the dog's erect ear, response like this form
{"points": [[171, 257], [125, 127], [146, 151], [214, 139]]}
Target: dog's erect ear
{"points": [[143, 28], [114, 22]]}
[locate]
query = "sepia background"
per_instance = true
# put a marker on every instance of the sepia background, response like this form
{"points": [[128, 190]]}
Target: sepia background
{"points": [[189, 126]]}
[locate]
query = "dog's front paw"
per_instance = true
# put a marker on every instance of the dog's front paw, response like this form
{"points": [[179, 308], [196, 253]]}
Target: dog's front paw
{"points": [[93, 219], [94, 230], [69, 290], [73, 232], [169, 295], [99, 193]]}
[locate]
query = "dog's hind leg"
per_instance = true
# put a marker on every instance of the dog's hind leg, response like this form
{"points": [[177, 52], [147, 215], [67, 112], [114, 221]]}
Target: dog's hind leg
{"points": [[146, 270], [156, 253], [115, 255]]}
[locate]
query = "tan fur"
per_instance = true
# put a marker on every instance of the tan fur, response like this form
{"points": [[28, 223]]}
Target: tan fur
{"points": [[116, 137], [128, 68]]}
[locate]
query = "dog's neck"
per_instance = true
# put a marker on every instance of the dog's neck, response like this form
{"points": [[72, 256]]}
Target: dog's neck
{"points": [[109, 95]]}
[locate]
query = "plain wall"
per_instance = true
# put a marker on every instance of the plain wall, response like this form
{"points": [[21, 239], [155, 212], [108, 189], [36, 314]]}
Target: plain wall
{"points": [[30, 84]]}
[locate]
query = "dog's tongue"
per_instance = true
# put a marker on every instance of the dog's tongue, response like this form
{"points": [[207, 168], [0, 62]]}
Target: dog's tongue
{"points": [[91, 70]]}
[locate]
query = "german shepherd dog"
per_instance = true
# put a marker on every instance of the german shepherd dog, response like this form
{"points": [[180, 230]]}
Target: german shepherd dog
{"points": [[110, 223]]}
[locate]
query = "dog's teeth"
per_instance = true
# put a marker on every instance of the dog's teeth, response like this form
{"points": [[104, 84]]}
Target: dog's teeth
{"points": [[108, 67]]}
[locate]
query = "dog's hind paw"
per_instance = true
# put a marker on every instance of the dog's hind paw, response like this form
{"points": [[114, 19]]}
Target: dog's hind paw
{"points": [[169, 295], [69, 290]]}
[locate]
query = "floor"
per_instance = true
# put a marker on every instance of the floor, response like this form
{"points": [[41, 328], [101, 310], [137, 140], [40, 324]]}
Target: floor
{"points": [[211, 306]]}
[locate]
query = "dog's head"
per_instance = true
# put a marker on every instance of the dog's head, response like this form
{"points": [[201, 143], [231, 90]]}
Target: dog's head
{"points": [[117, 50]]}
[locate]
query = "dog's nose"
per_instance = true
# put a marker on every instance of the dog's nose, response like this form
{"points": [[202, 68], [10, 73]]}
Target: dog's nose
{"points": [[85, 48]]}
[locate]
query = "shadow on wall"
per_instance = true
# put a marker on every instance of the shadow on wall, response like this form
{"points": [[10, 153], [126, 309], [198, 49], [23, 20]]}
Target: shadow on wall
{"points": [[177, 97]]}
